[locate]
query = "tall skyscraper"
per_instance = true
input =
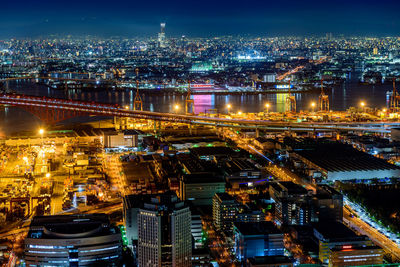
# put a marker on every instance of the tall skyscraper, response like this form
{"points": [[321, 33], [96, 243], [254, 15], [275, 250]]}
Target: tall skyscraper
{"points": [[164, 232], [161, 35]]}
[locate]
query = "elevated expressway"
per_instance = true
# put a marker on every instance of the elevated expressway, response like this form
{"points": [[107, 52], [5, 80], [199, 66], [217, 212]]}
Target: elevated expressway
{"points": [[76, 108]]}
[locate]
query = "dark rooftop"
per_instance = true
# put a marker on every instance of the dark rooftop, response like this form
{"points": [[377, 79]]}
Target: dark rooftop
{"points": [[70, 226], [336, 231], [341, 157], [269, 260], [290, 187], [258, 228]]}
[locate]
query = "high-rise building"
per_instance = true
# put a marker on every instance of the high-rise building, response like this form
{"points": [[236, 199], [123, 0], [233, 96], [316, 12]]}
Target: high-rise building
{"points": [[225, 209], [164, 232], [161, 35], [73, 240]]}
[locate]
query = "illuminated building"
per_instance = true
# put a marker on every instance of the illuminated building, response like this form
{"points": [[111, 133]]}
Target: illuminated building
{"points": [[333, 236], [164, 232], [349, 255], [257, 239], [161, 36], [269, 78], [73, 240], [293, 205], [225, 209]]}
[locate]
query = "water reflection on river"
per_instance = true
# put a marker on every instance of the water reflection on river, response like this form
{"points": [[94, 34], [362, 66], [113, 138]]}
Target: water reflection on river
{"points": [[341, 97]]}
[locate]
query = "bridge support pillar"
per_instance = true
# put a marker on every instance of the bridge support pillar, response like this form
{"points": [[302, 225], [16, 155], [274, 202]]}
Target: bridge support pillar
{"points": [[190, 129], [257, 132]]}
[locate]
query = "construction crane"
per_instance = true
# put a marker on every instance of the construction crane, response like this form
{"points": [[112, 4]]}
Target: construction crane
{"points": [[137, 103], [290, 101], [189, 102], [323, 99]]}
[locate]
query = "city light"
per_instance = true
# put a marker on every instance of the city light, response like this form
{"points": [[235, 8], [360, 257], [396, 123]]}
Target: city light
{"points": [[48, 175], [176, 107], [267, 106], [126, 107], [41, 131], [313, 106], [239, 113], [362, 104]]}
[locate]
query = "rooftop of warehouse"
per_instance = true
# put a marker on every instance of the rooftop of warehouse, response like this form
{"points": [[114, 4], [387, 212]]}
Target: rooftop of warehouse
{"points": [[341, 157]]}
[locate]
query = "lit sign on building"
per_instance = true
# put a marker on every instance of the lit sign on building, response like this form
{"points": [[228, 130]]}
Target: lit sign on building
{"points": [[283, 86]]}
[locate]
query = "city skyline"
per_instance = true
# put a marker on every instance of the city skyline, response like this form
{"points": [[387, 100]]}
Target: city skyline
{"points": [[267, 18]]}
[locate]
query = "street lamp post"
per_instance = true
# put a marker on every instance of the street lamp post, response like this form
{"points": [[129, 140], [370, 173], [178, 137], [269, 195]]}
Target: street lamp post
{"points": [[229, 106], [41, 132], [176, 108], [267, 107], [312, 106], [362, 104]]}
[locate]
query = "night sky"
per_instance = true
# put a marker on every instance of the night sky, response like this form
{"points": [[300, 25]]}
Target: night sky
{"points": [[199, 18]]}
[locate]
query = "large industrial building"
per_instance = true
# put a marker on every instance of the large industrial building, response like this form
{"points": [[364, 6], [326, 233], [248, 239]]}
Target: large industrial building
{"points": [[73, 240], [339, 162]]}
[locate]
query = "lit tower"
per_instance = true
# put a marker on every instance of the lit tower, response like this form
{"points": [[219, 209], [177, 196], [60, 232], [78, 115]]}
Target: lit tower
{"points": [[323, 99], [394, 99], [290, 101], [161, 35], [138, 103], [189, 102]]}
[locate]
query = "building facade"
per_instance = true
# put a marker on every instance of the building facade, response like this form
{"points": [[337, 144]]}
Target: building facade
{"points": [[73, 240], [164, 232]]}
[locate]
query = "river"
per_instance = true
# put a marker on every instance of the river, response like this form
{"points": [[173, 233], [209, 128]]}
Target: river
{"points": [[13, 119]]}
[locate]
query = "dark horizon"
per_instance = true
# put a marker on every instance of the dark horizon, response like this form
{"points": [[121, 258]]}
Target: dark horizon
{"points": [[206, 19]]}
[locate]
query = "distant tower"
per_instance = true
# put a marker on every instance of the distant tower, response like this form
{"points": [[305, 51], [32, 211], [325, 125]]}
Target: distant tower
{"points": [[323, 99], [290, 101], [137, 103], [189, 102], [394, 99], [161, 35]]}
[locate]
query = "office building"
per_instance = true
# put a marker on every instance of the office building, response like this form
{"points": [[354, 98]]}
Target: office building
{"points": [[225, 209], [131, 206], [197, 231], [335, 236], [349, 255], [73, 240], [293, 204], [164, 232], [257, 239], [329, 204], [161, 36]]}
